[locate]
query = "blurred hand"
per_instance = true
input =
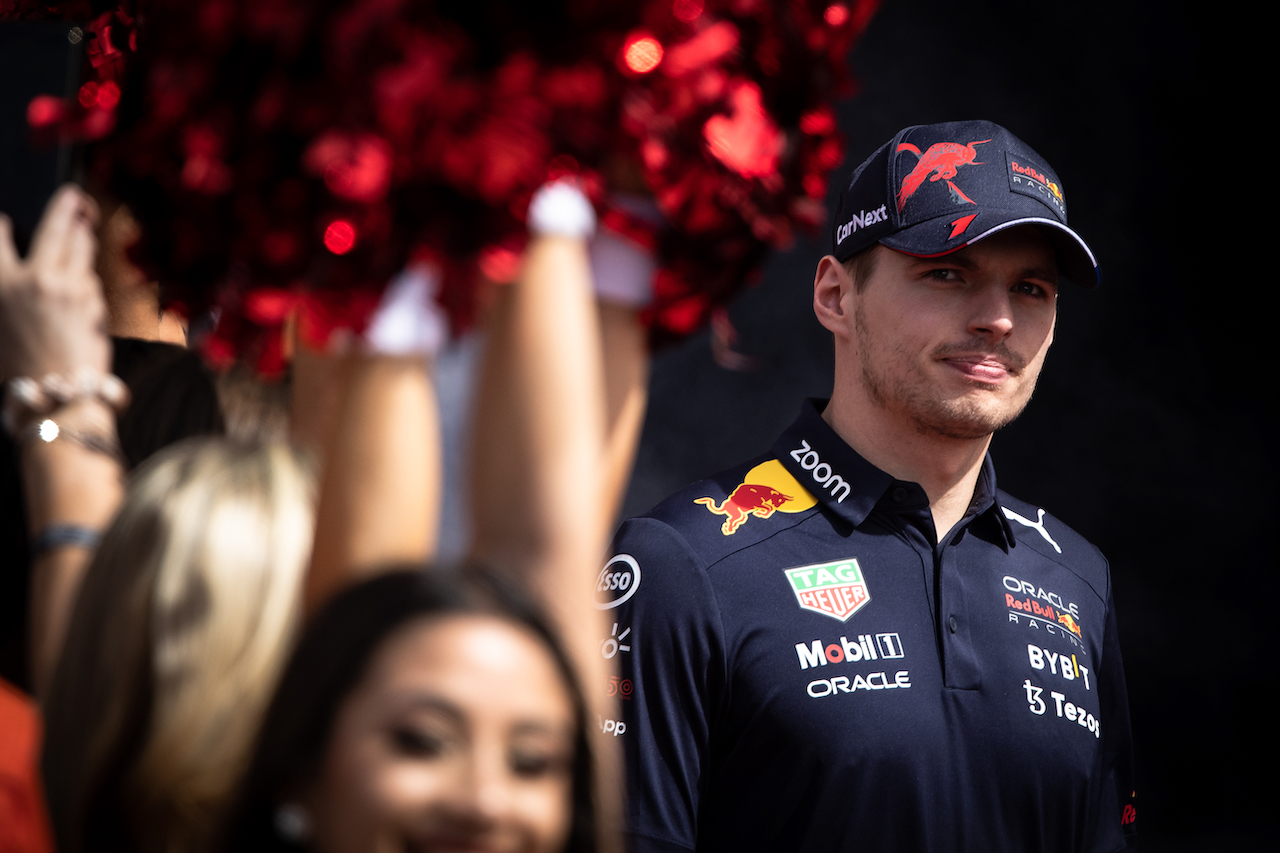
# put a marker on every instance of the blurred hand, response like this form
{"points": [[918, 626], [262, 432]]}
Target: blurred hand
{"points": [[133, 301], [52, 313]]}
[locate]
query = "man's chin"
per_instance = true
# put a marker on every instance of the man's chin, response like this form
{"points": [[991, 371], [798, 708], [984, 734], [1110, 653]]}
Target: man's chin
{"points": [[964, 420]]}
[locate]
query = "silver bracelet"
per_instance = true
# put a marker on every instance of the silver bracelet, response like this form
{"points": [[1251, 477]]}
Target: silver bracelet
{"points": [[28, 397], [47, 430]]}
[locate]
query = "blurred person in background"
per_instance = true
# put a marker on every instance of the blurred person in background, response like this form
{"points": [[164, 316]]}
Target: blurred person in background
{"points": [[191, 602], [537, 490], [60, 407], [182, 623], [172, 395], [431, 711]]}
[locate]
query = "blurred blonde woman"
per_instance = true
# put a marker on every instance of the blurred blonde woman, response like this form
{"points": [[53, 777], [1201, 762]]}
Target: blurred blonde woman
{"points": [[179, 631]]}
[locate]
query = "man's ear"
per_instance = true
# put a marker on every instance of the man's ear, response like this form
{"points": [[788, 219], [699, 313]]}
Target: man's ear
{"points": [[830, 286]]}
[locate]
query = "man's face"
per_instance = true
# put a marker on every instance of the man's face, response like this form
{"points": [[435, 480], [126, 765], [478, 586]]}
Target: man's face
{"points": [[952, 346]]}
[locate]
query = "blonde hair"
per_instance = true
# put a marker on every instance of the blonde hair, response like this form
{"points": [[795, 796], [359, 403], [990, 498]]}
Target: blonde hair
{"points": [[185, 617]]}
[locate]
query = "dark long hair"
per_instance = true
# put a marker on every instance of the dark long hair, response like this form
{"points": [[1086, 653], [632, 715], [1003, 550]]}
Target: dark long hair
{"points": [[332, 655]]}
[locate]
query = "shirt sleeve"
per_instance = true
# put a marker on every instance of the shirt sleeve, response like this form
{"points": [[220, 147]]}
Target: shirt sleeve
{"points": [[672, 680], [1117, 803]]}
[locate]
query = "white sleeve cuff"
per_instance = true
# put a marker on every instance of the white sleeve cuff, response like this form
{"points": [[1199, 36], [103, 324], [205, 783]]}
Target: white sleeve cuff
{"points": [[408, 320], [561, 209]]}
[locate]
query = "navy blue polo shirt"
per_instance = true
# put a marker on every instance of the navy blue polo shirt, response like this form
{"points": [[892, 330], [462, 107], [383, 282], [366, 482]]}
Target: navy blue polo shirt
{"points": [[803, 667]]}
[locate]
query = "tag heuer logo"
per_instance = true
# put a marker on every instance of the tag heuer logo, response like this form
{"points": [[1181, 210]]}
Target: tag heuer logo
{"points": [[832, 589]]}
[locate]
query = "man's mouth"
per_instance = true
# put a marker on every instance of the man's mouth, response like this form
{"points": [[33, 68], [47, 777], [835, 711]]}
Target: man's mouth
{"points": [[982, 368]]}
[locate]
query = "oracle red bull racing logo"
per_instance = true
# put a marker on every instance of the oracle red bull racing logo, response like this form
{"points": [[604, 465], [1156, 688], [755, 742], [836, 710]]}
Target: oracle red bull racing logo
{"points": [[1034, 602], [836, 589], [767, 488], [940, 162]]}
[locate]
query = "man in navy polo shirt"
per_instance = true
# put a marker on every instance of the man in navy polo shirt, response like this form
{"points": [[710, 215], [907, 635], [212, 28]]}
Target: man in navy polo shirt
{"points": [[856, 641]]}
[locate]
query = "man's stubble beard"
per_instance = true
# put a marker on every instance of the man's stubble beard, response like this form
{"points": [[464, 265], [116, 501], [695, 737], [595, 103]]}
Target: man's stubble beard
{"points": [[963, 419]]}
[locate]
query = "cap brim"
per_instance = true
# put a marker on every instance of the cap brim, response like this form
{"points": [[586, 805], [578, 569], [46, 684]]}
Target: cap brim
{"points": [[1075, 261]]}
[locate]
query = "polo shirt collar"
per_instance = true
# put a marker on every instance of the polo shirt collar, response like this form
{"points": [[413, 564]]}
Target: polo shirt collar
{"points": [[985, 506], [848, 485], [832, 471]]}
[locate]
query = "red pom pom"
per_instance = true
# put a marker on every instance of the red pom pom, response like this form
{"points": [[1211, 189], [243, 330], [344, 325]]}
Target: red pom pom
{"points": [[746, 141], [392, 130]]}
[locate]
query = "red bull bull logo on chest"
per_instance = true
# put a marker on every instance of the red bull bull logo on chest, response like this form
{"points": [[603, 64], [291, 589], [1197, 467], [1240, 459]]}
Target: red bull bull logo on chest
{"points": [[767, 488]]}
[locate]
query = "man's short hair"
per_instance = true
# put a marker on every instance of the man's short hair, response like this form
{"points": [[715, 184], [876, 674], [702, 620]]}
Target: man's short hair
{"points": [[861, 265]]}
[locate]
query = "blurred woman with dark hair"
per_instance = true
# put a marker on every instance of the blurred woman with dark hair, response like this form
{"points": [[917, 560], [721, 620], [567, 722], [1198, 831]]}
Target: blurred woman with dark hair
{"points": [[425, 711]]}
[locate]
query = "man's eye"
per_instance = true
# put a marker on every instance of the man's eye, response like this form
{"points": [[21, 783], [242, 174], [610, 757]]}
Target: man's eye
{"points": [[944, 274], [1030, 288]]}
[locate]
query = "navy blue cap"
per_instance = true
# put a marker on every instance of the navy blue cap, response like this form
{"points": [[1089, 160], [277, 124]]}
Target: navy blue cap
{"points": [[934, 189]]}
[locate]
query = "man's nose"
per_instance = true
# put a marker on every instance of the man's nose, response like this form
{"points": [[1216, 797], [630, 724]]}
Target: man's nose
{"points": [[991, 314]]}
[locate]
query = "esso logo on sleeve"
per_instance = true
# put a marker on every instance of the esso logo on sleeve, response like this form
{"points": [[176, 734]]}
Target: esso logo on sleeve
{"points": [[617, 581]]}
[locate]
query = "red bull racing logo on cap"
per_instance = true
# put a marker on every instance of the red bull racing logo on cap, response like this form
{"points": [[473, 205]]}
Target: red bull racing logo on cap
{"points": [[1032, 181], [835, 589], [767, 488], [940, 162], [1030, 172]]}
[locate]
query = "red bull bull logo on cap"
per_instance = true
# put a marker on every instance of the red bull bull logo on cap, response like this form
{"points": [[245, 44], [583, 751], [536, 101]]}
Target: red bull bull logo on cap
{"points": [[767, 488], [832, 589], [940, 162]]}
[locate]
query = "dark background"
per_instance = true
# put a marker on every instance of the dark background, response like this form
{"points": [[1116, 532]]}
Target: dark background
{"points": [[1147, 431]]}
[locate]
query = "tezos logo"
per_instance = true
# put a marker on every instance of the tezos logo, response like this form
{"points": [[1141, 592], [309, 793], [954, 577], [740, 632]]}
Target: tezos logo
{"points": [[832, 589], [617, 581]]}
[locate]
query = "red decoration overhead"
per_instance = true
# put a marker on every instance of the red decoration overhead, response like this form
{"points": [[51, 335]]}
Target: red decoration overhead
{"points": [[315, 147]]}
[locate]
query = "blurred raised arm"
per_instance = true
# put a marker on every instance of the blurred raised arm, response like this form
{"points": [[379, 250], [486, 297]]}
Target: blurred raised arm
{"points": [[381, 475], [538, 438], [55, 355], [133, 302], [373, 417], [541, 501]]}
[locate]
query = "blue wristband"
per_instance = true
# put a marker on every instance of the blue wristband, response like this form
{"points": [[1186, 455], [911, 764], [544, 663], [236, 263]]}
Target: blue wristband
{"points": [[61, 535]]}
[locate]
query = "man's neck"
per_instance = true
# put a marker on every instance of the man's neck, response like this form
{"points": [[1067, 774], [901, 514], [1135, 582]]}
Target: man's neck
{"points": [[946, 468]]}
